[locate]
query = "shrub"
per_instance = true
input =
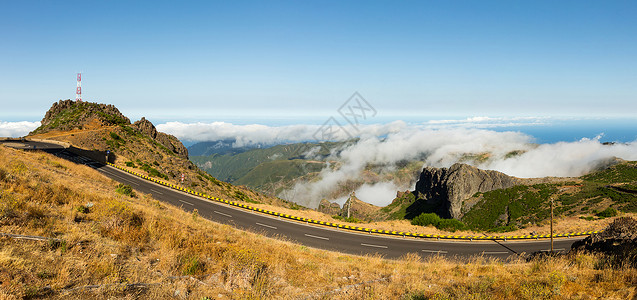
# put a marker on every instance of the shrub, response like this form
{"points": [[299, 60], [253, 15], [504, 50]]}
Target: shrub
{"points": [[451, 225], [82, 209], [426, 219], [130, 164], [607, 213], [192, 266], [115, 136], [352, 220], [126, 190], [243, 197]]}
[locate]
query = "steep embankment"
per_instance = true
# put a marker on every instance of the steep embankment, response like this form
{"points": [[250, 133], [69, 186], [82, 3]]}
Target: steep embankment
{"points": [[102, 241]]}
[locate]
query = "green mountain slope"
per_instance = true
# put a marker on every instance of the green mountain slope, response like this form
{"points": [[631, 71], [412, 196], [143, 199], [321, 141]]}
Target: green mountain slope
{"points": [[235, 167], [595, 195]]}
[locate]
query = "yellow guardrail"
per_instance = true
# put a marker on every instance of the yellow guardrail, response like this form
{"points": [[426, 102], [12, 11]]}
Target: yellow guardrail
{"points": [[354, 228]]}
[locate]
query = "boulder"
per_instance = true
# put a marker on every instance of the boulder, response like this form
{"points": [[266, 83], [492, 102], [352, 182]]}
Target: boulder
{"points": [[447, 188]]}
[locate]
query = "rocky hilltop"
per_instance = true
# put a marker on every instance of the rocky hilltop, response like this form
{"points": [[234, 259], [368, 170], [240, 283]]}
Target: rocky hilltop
{"points": [[167, 140], [447, 188], [67, 115]]}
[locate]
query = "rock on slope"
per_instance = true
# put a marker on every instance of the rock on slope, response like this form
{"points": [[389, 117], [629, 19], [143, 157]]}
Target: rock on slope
{"points": [[447, 188], [167, 140], [618, 240]]}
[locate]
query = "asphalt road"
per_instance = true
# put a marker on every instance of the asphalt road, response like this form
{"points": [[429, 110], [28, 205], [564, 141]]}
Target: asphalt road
{"points": [[311, 235]]}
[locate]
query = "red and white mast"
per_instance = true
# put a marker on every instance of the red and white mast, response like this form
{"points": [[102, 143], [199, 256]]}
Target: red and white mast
{"points": [[78, 91]]}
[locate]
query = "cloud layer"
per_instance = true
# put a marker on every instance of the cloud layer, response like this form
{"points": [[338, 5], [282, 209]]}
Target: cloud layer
{"points": [[438, 143], [443, 147], [255, 134], [17, 129]]}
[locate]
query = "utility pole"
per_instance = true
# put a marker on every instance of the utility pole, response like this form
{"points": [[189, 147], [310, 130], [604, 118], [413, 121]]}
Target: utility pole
{"points": [[349, 203], [552, 224]]}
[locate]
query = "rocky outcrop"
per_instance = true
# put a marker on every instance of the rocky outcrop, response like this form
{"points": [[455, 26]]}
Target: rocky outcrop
{"points": [[359, 209], [618, 240], [67, 115], [172, 143], [447, 188], [329, 208]]}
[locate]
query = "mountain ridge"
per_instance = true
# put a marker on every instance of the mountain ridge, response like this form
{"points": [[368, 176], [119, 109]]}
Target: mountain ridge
{"points": [[96, 129]]}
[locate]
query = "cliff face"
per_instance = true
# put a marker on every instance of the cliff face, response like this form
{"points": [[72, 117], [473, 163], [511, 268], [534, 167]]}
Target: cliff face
{"points": [[447, 188], [167, 140]]}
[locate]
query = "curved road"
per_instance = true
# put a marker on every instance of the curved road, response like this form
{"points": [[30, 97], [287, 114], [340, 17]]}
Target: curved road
{"points": [[312, 236]]}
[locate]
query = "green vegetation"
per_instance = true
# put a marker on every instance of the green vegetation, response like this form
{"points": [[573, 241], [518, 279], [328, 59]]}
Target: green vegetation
{"points": [[626, 172], [116, 141], [243, 197], [192, 266], [513, 208], [209, 178], [115, 137], [68, 118], [126, 190], [263, 176], [82, 209], [232, 167], [151, 171], [397, 210], [607, 213], [130, 131], [432, 219], [451, 225], [514, 153], [597, 186], [346, 219], [510, 208], [426, 219]]}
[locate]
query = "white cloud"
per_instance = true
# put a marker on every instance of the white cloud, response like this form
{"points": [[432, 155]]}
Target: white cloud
{"points": [[488, 122], [439, 143], [17, 129], [377, 194], [444, 147], [261, 134]]}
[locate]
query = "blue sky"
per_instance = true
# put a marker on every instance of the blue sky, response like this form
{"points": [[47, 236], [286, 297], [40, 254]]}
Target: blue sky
{"points": [[188, 60]]}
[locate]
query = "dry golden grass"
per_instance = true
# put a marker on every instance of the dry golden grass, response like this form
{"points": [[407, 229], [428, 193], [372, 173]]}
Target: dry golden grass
{"points": [[120, 241]]}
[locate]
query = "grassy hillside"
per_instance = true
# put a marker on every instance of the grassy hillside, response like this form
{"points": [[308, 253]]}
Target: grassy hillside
{"points": [[233, 167], [105, 242], [274, 176], [600, 194], [220, 147]]}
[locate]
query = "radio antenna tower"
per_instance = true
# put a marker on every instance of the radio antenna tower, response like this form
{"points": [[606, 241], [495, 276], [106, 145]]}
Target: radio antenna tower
{"points": [[78, 91]]}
